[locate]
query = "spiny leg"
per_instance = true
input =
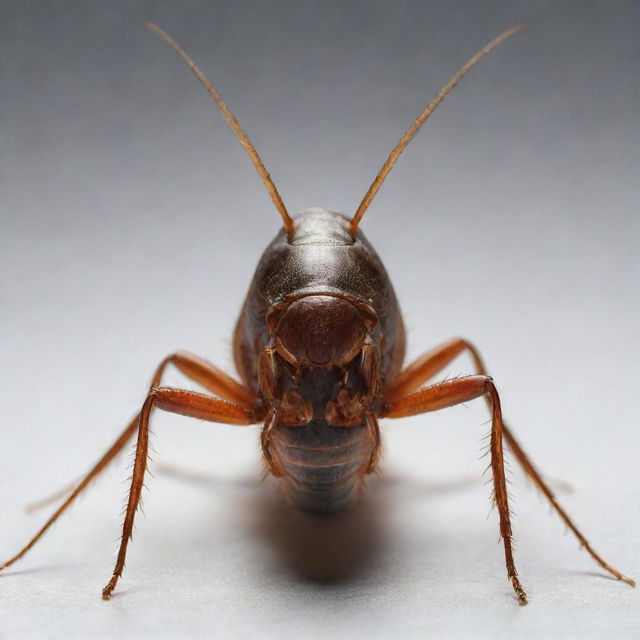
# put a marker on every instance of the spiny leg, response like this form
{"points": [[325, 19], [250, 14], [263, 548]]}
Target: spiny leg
{"points": [[187, 403], [428, 365], [209, 376], [533, 473], [452, 392], [425, 367], [102, 464], [197, 369], [192, 366]]}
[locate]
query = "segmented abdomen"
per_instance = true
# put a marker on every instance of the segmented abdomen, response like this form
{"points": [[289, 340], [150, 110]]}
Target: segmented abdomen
{"points": [[323, 466]]}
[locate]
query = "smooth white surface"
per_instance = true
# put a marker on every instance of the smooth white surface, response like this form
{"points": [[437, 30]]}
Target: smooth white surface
{"points": [[418, 558], [131, 223]]}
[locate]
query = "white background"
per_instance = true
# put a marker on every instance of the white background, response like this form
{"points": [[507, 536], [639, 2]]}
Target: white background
{"points": [[131, 223]]}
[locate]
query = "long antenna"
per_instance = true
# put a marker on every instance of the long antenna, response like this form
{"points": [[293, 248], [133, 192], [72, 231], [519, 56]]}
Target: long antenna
{"points": [[420, 120], [233, 123]]}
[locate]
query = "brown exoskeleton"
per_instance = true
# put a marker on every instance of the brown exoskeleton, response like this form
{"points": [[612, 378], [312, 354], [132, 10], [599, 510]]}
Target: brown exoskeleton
{"points": [[319, 347]]}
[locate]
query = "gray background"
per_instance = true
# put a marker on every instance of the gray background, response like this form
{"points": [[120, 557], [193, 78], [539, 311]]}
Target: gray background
{"points": [[131, 222]]}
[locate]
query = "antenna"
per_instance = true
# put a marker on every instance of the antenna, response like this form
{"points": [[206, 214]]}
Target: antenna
{"points": [[233, 123], [420, 120]]}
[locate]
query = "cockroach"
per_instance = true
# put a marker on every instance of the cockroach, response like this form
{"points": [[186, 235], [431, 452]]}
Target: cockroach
{"points": [[319, 348]]}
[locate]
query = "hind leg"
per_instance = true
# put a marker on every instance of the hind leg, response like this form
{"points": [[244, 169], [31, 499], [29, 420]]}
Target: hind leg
{"points": [[192, 366], [433, 362]]}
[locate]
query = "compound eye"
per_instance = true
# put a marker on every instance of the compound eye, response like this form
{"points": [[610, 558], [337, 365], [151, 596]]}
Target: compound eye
{"points": [[320, 331]]}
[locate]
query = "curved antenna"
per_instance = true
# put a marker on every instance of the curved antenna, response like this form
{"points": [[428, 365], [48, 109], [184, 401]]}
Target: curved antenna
{"points": [[233, 123], [420, 120]]}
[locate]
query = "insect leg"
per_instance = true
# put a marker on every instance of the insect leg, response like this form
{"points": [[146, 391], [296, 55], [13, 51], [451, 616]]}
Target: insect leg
{"points": [[533, 473], [427, 366], [102, 464], [187, 403], [452, 392], [209, 376], [199, 370], [192, 366], [374, 433], [434, 361]]}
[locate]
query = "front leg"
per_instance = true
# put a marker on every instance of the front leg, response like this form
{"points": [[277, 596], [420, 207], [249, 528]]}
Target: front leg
{"points": [[452, 392]]}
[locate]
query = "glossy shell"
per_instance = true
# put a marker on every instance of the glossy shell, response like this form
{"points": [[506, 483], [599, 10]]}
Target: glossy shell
{"points": [[322, 466]]}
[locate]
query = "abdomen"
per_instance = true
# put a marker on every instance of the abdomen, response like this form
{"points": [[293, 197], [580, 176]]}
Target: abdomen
{"points": [[322, 467]]}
